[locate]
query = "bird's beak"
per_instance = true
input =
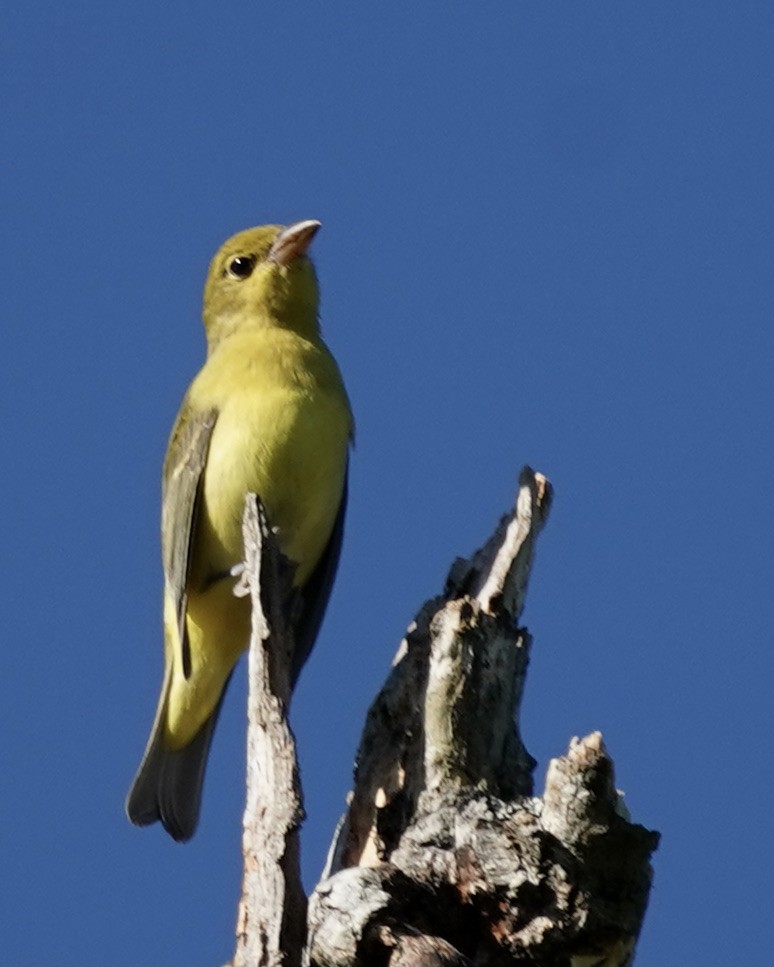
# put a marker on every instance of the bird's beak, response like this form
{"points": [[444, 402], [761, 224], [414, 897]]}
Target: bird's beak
{"points": [[293, 241]]}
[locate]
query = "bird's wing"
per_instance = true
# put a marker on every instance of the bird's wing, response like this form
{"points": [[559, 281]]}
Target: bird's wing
{"points": [[316, 591], [183, 474]]}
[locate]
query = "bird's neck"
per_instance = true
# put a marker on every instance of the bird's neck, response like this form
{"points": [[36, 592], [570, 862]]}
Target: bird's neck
{"points": [[305, 324]]}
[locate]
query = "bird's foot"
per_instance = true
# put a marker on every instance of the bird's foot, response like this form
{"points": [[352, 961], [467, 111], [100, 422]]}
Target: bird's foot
{"points": [[242, 587]]}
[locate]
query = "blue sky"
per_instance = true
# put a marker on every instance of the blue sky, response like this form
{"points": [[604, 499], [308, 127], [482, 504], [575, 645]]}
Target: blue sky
{"points": [[547, 239]]}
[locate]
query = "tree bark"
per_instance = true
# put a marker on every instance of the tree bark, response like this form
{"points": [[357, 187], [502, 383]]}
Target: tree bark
{"points": [[445, 856], [271, 921]]}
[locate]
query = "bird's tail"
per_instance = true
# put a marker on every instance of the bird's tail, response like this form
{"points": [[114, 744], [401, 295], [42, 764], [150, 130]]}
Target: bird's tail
{"points": [[168, 784]]}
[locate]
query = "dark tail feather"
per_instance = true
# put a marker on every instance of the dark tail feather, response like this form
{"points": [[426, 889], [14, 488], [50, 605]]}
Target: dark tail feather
{"points": [[168, 785]]}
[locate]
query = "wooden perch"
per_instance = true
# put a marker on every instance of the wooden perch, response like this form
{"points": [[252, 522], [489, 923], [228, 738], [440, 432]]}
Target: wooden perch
{"points": [[271, 922], [444, 856]]}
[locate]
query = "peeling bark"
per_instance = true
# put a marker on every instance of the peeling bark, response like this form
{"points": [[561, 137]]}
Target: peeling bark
{"points": [[271, 921], [445, 856]]}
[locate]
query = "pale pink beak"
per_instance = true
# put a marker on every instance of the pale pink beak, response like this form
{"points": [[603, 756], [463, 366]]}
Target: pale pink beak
{"points": [[293, 241]]}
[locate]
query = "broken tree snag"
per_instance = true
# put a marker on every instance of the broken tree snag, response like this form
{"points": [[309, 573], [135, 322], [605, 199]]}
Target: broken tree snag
{"points": [[271, 922], [444, 855]]}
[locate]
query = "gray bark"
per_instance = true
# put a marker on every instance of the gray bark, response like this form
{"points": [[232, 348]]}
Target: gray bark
{"points": [[445, 856], [271, 921]]}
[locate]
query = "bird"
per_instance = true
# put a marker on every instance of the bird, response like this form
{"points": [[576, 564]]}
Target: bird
{"points": [[268, 413]]}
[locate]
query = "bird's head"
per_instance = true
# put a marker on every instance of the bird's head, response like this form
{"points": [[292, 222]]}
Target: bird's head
{"points": [[263, 277]]}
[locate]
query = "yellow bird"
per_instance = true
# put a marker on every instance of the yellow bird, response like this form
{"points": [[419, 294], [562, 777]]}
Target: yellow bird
{"points": [[268, 413]]}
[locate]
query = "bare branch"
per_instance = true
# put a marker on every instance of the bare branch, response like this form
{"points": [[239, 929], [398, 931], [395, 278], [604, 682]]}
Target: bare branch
{"points": [[443, 851], [444, 857], [271, 922]]}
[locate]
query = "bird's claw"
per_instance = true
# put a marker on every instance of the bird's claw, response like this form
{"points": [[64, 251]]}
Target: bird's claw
{"points": [[241, 588]]}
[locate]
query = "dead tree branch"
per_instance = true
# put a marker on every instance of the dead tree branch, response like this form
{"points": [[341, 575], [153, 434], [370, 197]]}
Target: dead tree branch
{"points": [[271, 922], [445, 856]]}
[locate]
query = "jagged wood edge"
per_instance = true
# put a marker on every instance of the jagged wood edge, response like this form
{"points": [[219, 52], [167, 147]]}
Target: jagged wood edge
{"points": [[385, 880], [388, 760], [271, 919]]}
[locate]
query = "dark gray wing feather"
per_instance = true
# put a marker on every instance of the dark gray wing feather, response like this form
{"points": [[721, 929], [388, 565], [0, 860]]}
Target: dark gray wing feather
{"points": [[316, 591], [183, 473], [168, 783]]}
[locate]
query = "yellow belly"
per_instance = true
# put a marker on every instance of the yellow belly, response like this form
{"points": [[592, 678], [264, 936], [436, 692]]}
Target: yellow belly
{"points": [[288, 449], [282, 432]]}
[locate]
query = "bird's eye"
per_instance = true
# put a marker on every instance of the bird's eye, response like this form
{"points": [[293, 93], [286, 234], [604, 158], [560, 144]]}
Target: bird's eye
{"points": [[241, 266]]}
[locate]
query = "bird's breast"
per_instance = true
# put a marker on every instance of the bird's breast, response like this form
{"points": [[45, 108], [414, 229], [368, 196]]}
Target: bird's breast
{"points": [[285, 437]]}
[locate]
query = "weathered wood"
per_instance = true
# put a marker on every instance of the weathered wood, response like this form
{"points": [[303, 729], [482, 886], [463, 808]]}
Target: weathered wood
{"points": [[271, 922], [444, 856], [443, 842]]}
